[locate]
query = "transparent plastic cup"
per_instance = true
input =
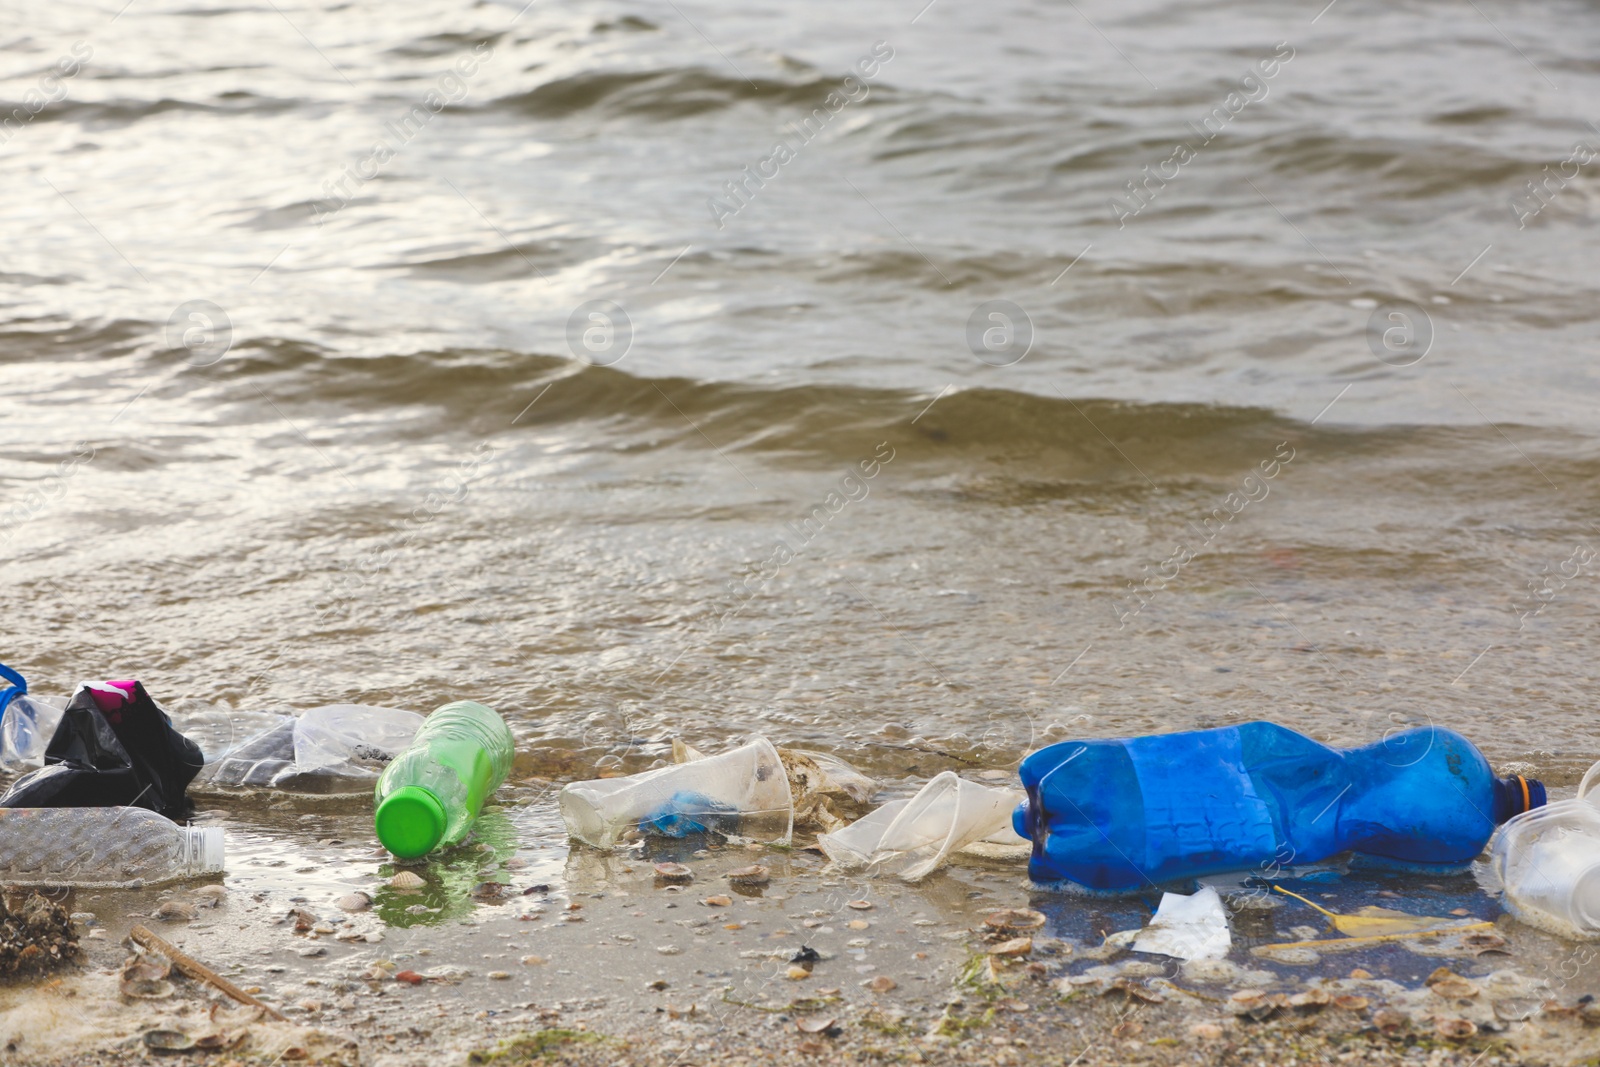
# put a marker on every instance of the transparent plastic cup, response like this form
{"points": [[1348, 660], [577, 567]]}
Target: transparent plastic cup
{"points": [[742, 794], [1548, 861], [26, 729], [915, 837]]}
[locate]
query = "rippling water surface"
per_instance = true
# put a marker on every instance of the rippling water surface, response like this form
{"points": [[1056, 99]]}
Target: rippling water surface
{"points": [[1198, 473]]}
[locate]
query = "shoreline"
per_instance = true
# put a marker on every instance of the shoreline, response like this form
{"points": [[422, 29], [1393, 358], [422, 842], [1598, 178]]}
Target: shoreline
{"points": [[594, 960]]}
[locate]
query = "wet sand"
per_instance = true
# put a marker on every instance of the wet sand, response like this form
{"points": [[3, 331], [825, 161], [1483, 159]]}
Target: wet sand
{"points": [[516, 949]]}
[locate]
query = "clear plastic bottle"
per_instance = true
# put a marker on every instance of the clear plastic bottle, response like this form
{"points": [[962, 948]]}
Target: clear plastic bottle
{"points": [[430, 794], [102, 847]]}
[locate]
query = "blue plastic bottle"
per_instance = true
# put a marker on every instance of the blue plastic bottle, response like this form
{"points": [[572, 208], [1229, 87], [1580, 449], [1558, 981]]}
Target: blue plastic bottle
{"points": [[1129, 814]]}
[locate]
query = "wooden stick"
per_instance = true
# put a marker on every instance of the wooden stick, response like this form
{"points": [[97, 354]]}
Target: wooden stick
{"points": [[1340, 944], [195, 969]]}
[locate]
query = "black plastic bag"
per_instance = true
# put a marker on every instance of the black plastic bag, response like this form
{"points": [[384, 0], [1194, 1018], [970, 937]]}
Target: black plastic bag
{"points": [[115, 747]]}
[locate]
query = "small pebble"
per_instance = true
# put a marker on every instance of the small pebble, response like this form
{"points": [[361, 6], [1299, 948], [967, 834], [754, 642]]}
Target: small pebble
{"points": [[534, 961], [718, 902], [499, 976], [882, 984], [797, 973], [668, 950]]}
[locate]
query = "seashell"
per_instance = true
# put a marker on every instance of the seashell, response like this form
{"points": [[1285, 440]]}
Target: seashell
{"points": [[174, 911], [168, 1040], [323, 927], [812, 1024], [861, 905], [1351, 1003], [1453, 987], [209, 896], [797, 973], [1017, 946], [1455, 1029], [146, 969], [1311, 998], [146, 989], [755, 874], [353, 902], [1389, 1021], [674, 873], [1483, 942], [882, 984], [1014, 919], [303, 919], [408, 880], [498, 976], [718, 902]]}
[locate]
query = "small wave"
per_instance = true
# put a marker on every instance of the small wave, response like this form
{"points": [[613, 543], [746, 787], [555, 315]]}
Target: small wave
{"points": [[661, 94]]}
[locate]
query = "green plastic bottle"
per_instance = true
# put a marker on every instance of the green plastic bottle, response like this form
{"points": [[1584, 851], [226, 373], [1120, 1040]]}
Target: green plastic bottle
{"points": [[430, 794]]}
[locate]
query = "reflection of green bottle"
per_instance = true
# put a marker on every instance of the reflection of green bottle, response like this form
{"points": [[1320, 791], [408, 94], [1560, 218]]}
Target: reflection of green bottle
{"points": [[433, 790]]}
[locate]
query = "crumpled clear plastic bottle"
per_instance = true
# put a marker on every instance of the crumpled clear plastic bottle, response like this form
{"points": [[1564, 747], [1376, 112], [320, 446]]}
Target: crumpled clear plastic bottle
{"points": [[103, 847]]}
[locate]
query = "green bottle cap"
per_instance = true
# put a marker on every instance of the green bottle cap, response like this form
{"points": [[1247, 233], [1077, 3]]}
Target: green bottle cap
{"points": [[410, 822]]}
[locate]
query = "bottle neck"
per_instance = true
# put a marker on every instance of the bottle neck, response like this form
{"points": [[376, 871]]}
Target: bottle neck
{"points": [[1515, 795], [202, 850]]}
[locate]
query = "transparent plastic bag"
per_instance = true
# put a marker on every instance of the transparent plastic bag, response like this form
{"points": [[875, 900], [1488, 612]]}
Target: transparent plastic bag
{"points": [[1548, 862], [25, 731], [742, 794], [915, 837], [326, 745]]}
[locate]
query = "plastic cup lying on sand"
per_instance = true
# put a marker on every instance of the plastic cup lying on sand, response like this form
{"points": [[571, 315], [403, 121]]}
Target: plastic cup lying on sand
{"points": [[742, 794], [1548, 860], [918, 835]]}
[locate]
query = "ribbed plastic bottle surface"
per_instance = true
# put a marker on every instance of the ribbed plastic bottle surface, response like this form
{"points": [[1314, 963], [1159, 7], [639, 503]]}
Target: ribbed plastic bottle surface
{"points": [[105, 847], [1132, 813], [428, 797]]}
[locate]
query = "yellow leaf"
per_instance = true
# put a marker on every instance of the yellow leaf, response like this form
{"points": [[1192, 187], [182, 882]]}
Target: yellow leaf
{"points": [[1374, 921]]}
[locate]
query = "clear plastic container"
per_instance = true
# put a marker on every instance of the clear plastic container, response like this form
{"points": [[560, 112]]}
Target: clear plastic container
{"points": [[429, 796], [742, 794], [916, 836], [102, 847], [1548, 861], [26, 729], [333, 742]]}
